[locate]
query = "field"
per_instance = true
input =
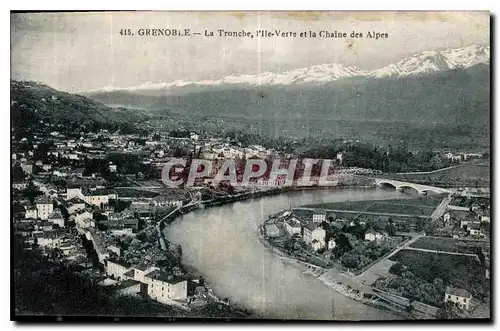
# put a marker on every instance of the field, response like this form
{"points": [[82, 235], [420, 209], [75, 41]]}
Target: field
{"points": [[448, 245], [455, 270], [468, 201], [401, 208], [474, 173], [421, 206]]}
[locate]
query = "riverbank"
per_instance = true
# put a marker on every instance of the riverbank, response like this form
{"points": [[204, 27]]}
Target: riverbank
{"points": [[173, 215], [313, 270], [333, 278], [216, 235]]}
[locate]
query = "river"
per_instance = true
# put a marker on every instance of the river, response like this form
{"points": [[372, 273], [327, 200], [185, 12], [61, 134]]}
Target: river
{"points": [[222, 244]]}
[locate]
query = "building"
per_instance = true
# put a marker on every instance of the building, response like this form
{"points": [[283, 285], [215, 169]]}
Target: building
{"points": [[372, 235], [114, 249], [447, 217], [117, 269], [75, 204], [194, 136], [27, 168], [84, 216], [316, 245], [484, 218], [319, 216], [121, 230], [31, 212], [475, 230], [331, 244], [313, 232], [292, 226], [164, 287], [48, 239], [20, 186], [340, 156], [56, 218], [84, 221], [98, 199], [44, 207], [140, 271], [448, 155], [74, 192], [460, 297]]}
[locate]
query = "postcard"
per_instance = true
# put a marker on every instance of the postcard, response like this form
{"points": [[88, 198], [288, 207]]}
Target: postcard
{"points": [[252, 165]]}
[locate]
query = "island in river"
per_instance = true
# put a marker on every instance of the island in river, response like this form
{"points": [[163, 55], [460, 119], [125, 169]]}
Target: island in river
{"points": [[223, 245]]}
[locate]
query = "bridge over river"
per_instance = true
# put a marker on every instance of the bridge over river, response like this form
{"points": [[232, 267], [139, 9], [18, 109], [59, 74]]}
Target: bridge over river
{"points": [[399, 185]]}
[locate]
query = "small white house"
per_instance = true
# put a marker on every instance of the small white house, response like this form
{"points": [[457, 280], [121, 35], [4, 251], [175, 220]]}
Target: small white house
{"points": [[485, 218], [292, 226], [372, 235], [319, 216], [31, 212], [460, 297], [44, 208], [313, 232]]}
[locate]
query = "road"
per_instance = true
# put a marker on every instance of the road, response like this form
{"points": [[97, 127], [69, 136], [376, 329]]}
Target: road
{"points": [[394, 252], [429, 172], [363, 212], [441, 208], [436, 214], [441, 252]]}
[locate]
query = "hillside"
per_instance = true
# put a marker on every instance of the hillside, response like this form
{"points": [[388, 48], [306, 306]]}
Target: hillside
{"points": [[454, 97], [33, 103]]}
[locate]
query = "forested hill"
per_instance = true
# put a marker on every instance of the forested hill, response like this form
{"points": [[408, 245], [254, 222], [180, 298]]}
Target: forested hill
{"points": [[33, 104]]}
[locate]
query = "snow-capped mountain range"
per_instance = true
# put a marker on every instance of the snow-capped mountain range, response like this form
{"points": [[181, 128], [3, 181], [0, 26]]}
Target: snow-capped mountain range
{"points": [[426, 62]]}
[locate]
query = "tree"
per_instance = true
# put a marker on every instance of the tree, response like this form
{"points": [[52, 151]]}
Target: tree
{"points": [[390, 229], [342, 243], [31, 192], [179, 252], [435, 162], [17, 174]]}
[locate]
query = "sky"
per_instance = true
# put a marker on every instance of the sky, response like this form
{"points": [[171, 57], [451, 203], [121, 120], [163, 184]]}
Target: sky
{"points": [[84, 51]]}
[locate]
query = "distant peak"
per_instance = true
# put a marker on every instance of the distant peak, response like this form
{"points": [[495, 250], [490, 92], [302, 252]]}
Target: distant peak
{"points": [[424, 62]]}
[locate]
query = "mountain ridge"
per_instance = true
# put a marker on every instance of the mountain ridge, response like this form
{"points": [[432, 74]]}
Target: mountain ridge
{"points": [[458, 96], [422, 63], [35, 104]]}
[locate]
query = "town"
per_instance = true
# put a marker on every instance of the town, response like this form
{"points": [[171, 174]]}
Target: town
{"points": [[93, 200], [250, 166]]}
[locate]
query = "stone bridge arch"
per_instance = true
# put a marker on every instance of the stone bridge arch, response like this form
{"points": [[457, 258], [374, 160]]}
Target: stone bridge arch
{"points": [[407, 187], [421, 189], [387, 184]]}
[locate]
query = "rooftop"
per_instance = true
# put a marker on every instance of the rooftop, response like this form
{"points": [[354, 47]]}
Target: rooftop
{"points": [[55, 214], [120, 262], [43, 200], [293, 222], [458, 292], [319, 212], [311, 226], [76, 200], [165, 277]]}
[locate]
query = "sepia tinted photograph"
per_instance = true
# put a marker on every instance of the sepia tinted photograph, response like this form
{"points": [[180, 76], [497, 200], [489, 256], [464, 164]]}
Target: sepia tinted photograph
{"points": [[250, 166]]}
